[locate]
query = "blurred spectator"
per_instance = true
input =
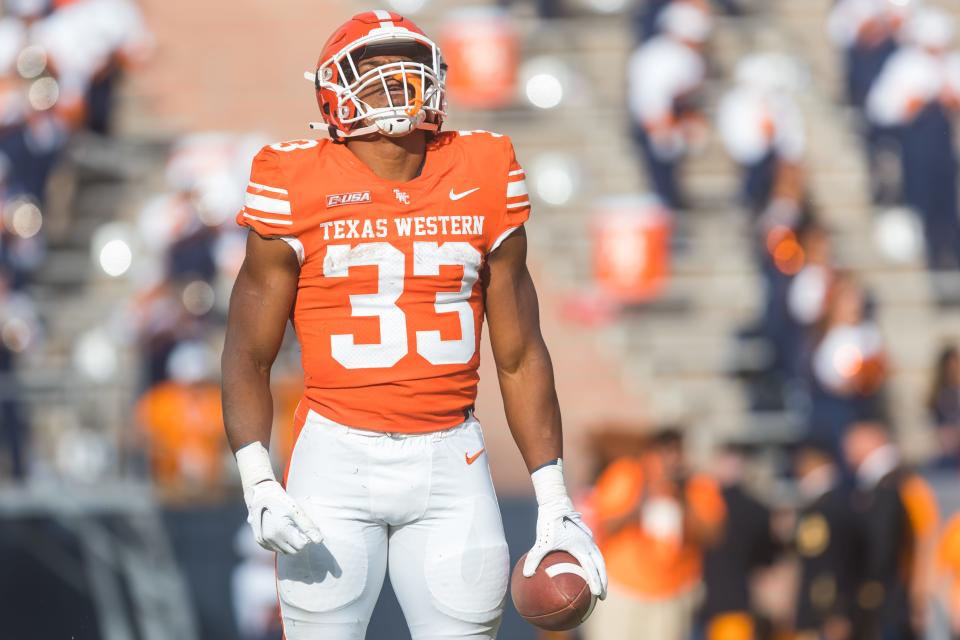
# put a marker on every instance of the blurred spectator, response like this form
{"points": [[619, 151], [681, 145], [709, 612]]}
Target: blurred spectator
{"points": [[183, 425], [847, 364], [944, 406], [867, 32], [654, 518], [918, 91], [827, 544], [807, 291], [254, 586], [780, 231], [762, 129], [58, 65], [647, 14], [22, 245], [747, 544], [607, 443], [807, 294], [663, 75], [88, 43], [948, 563], [19, 331], [161, 320], [898, 519]]}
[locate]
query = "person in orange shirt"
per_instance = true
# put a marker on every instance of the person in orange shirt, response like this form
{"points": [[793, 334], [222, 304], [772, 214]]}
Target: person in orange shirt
{"points": [[655, 518], [948, 565], [182, 422]]}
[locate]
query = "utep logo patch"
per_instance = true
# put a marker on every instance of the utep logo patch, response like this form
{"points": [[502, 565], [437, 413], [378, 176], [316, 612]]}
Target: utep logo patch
{"points": [[338, 199]]}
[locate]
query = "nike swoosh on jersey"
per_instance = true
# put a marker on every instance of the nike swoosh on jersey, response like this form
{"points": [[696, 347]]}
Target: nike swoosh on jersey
{"points": [[457, 196], [471, 459]]}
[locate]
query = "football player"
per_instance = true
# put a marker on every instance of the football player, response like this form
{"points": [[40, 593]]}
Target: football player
{"points": [[387, 243]]}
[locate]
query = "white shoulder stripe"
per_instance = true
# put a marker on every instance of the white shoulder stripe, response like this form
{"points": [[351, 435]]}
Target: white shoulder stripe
{"points": [[267, 204], [518, 188], [516, 172], [515, 205], [267, 220], [263, 187]]}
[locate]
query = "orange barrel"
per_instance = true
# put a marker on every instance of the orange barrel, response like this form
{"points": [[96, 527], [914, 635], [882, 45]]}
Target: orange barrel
{"points": [[481, 47], [631, 248]]}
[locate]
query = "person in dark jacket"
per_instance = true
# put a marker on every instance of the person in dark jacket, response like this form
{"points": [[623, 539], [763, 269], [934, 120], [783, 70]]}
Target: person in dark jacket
{"points": [[747, 544], [898, 518], [827, 546]]}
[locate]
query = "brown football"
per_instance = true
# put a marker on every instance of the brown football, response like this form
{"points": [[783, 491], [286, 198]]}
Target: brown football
{"points": [[556, 597]]}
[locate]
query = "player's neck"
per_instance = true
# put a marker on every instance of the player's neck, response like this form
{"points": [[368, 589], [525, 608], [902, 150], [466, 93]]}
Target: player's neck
{"points": [[398, 159]]}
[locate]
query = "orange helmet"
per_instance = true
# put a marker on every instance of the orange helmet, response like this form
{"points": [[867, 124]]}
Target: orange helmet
{"points": [[340, 84]]}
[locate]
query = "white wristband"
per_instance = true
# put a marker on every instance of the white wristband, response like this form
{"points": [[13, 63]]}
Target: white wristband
{"points": [[549, 486], [254, 464]]}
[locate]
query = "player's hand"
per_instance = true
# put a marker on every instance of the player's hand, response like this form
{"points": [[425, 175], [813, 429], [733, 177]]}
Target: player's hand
{"points": [[278, 522], [564, 530], [560, 528]]}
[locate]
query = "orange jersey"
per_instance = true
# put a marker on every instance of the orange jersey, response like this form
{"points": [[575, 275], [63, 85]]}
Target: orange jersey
{"points": [[389, 304]]}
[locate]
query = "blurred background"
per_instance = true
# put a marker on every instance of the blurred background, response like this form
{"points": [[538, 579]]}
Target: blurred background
{"points": [[746, 242]]}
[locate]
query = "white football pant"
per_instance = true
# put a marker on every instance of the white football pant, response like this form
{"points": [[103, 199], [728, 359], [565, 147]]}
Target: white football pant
{"points": [[423, 504]]}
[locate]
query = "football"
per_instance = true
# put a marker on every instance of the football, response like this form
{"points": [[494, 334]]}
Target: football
{"points": [[556, 597]]}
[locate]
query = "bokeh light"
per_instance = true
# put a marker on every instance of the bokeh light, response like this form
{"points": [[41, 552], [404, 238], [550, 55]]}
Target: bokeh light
{"points": [[544, 90], [555, 178], [115, 258], [111, 248], [95, 356], [26, 219], [16, 334], [898, 234], [43, 93], [31, 62], [198, 297]]}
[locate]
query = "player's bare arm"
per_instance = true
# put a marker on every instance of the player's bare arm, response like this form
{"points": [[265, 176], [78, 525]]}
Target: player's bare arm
{"points": [[532, 409], [259, 309], [523, 362]]}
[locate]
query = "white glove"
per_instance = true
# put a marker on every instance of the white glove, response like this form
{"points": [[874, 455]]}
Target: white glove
{"points": [[278, 522], [560, 528]]}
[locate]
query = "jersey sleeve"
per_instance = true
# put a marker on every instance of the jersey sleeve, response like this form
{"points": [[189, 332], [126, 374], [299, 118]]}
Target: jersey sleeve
{"points": [[266, 205], [516, 204]]}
